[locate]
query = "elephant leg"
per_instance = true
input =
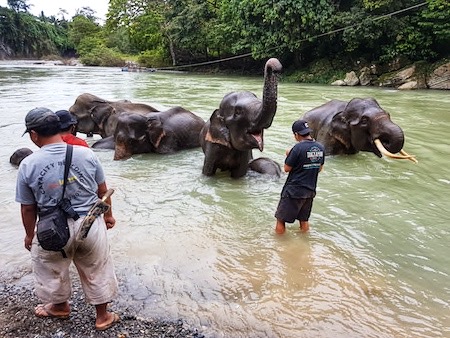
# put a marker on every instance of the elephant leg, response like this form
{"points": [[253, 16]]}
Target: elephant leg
{"points": [[210, 162], [239, 171], [209, 169], [242, 160]]}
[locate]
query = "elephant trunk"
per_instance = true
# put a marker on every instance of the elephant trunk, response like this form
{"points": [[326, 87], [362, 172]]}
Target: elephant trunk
{"points": [[272, 73], [392, 138], [391, 141], [121, 152]]}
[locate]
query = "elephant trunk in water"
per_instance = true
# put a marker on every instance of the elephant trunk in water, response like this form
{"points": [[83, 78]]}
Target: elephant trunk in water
{"points": [[272, 72], [391, 141]]}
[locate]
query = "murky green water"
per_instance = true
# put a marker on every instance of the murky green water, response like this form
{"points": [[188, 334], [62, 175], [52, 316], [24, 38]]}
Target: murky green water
{"points": [[375, 263]]}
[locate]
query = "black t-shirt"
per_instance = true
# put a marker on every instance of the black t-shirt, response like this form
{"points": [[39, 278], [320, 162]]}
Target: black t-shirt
{"points": [[305, 158]]}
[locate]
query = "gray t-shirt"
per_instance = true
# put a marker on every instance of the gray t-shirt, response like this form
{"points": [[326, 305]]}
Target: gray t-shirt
{"points": [[41, 175]]}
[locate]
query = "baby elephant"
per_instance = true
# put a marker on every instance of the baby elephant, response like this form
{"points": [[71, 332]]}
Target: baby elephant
{"points": [[19, 155]]}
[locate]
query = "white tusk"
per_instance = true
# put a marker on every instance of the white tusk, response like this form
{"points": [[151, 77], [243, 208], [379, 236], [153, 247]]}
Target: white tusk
{"points": [[411, 157], [385, 152]]}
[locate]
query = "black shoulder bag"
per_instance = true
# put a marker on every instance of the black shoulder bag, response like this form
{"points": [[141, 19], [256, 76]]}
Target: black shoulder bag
{"points": [[52, 228]]}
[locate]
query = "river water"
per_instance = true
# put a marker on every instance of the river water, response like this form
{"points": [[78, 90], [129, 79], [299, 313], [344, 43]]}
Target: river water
{"points": [[374, 264]]}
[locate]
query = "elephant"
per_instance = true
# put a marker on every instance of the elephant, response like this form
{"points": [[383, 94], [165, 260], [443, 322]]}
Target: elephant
{"points": [[99, 116], [237, 127], [265, 166], [19, 155], [155, 132], [357, 125]]}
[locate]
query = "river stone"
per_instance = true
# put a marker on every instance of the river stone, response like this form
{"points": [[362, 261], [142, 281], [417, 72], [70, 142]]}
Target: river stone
{"points": [[408, 85], [440, 77], [365, 76], [351, 79], [338, 83]]}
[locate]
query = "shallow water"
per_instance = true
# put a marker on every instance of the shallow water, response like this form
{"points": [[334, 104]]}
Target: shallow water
{"points": [[375, 263]]}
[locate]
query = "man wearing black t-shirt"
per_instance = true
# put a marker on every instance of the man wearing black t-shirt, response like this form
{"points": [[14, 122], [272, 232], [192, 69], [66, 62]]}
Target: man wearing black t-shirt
{"points": [[303, 163]]}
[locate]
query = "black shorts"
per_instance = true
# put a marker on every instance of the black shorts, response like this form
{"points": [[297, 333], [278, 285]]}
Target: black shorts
{"points": [[290, 209]]}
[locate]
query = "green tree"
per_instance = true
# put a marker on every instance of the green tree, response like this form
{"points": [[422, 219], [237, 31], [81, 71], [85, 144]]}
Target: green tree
{"points": [[23, 35], [136, 21], [268, 28], [142, 23], [89, 40], [436, 19], [190, 27], [19, 5], [381, 30], [82, 27]]}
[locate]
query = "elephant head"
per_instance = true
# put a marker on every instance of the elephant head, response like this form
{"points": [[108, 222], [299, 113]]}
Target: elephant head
{"points": [[19, 155], [174, 129], [99, 116], [83, 107], [130, 136], [237, 127], [157, 132], [358, 125]]}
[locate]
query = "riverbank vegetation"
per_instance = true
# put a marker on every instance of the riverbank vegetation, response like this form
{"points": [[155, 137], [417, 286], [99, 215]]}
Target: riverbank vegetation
{"points": [[317, 41]]}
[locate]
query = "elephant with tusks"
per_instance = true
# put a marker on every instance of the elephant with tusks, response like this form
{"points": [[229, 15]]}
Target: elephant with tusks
{"points": [[357, 125]]}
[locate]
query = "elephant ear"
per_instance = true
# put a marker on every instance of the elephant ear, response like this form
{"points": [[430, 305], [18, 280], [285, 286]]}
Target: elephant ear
{"points": [[218, 132], [340, 129], [101, 113], [353, 111], [155, 130]]}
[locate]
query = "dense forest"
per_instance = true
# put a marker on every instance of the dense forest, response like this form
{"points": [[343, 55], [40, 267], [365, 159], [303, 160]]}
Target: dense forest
{"points": [[332, 35]]}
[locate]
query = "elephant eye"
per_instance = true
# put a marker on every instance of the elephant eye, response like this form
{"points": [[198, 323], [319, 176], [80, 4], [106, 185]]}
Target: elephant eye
{"points": [[364, 120], [238, 111]]}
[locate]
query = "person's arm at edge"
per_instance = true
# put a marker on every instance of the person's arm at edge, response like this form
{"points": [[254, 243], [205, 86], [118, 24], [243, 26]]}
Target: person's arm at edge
{"points": [[29, 216], [108, 216], [287, 168]]}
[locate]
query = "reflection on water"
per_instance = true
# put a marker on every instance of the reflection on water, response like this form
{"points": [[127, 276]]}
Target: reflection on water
{"points": [[375, 263]]}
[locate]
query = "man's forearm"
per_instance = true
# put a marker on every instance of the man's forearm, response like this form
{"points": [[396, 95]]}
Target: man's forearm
{"points": [[29, 216], [102, 189]]}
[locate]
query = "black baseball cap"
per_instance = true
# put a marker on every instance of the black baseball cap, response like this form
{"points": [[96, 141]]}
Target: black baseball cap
{"points": [[39, 118], [66, 119], [301, 127]]}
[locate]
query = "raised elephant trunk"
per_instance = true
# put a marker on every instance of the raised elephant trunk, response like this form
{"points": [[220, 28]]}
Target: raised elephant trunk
{"points": [[272, 73]]}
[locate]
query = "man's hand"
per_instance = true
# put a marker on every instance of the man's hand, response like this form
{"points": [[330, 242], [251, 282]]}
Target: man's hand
{"points": [[28, 241], [110, 221], [29, 216]]}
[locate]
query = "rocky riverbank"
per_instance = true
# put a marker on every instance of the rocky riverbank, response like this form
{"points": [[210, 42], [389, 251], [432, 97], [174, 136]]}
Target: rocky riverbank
{"points": [[401, 76], [17, 319]]}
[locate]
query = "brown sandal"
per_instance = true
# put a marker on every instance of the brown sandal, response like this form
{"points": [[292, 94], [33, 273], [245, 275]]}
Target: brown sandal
{"points": [[114, 319], [44, 310]]}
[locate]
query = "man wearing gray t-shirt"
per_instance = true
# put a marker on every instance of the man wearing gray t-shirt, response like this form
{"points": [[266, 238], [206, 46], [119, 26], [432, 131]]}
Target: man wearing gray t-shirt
{"points": [[39, 187]]}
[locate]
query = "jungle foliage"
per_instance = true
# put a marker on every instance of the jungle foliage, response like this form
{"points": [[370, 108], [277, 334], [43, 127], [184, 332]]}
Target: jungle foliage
{"points": [[163, 33]]}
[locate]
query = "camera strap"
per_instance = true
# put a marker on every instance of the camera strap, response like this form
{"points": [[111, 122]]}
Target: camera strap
{"points": [[67, 163]]}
